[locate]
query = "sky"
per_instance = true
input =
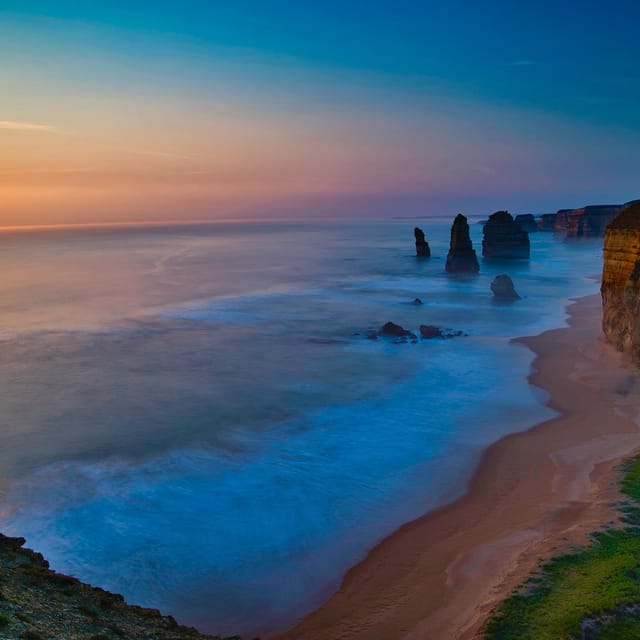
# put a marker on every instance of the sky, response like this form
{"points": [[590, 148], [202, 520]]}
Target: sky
{"points": [[141, 111]]}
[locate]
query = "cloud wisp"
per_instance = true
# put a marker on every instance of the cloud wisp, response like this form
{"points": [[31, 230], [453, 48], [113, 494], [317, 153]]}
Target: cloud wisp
{"points": [[14, 125]]}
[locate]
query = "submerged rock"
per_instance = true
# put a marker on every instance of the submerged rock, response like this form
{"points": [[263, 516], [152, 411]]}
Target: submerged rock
{"points": [[462, 257], [429, 331], [620, 287], [502, 287], [504, 238], [422, 246]]}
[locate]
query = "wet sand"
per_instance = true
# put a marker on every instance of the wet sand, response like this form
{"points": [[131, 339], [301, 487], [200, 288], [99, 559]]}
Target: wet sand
{"points": [[532, 495]]}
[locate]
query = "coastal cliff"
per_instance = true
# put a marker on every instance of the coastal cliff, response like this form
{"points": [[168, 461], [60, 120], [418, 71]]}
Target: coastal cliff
{"points": [[621, 282], [591, 221], [38, 603]]}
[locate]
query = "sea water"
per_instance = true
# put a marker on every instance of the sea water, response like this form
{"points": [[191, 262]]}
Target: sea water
{"points": [[193, 416]]}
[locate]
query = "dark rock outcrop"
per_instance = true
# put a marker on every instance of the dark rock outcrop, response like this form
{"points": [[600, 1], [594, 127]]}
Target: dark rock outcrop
{"points": [[393, 330], [422, 246], [504, 238], [591, 221], [429, 331], [462, 257], [36, 602], [620, 287], [503, 289], [547, 222], [527, 222]]}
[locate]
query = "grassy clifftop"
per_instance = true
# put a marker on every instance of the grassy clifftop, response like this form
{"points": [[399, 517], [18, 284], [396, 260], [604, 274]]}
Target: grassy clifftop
{"points": [[593, 593]]}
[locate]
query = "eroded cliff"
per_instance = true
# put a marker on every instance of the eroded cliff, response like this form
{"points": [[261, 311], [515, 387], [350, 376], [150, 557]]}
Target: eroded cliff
{"points": [[621, 282]]}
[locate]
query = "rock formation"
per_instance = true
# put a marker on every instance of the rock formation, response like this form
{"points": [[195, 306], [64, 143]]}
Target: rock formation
{"points": [[561, 219], [527, 222], [504, 238], [461, 258], [591, 221], [393, 330], [422, 246], [36, 602], [621, 282], [429, 331], [547, 222], [503, 289]]}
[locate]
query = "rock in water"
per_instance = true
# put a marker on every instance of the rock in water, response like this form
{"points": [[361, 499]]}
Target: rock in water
{"points": [[393, 330], [502, 287], [621, 282], [429, 331], [422, 246], [527, 222], [504, 238], [461, 258]]}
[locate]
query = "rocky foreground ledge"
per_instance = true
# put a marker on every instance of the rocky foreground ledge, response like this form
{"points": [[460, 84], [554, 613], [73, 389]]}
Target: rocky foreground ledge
{"points": [[37, 603]]}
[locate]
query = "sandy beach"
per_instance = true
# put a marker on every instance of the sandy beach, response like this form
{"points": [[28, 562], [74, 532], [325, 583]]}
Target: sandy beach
{"points": [[532, 495]]}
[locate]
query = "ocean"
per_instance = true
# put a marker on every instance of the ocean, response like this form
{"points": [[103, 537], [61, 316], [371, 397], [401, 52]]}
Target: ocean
{"points": [[193, 416]]}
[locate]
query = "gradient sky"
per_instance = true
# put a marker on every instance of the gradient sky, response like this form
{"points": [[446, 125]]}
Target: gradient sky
{"points": [[133, 111]]}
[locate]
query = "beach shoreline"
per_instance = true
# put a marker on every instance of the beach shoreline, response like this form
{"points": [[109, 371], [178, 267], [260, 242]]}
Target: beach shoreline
{"points": [[532, 495]]}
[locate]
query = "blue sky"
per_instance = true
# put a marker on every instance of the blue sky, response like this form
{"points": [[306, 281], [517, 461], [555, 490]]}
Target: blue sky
{"points": [[545, 77]]}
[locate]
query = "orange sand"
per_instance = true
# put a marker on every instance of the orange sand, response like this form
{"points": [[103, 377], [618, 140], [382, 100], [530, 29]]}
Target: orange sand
{"points": [[532, 494]]}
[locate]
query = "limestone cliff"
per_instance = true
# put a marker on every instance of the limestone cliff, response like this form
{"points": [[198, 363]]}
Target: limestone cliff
{"points": [[591, 221], [504, 238], [547, 221], [621, 282], [461, 257]]}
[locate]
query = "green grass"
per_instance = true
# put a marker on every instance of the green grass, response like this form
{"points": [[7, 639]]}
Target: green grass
{"points": [[596, 582]]}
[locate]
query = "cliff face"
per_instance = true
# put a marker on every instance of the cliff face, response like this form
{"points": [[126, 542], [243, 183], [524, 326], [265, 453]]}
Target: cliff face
{"points": [[462, 257], [504, 238], [547, 221], [621, 282], [36, 602], [422, 246], [591, 222]]}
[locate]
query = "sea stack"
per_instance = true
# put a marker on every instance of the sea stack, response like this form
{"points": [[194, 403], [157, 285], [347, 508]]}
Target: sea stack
{"points": [[547, 222], [461, 258], [504, 238], [527, 222], [621, 282], [503, 289], [422, 246]]}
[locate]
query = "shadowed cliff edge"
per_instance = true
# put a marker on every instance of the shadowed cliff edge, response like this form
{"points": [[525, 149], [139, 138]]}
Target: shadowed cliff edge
{"points": [[37, 603]]}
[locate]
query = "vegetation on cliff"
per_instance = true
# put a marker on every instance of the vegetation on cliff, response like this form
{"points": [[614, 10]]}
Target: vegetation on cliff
{"points": [[39, 604], [591, 593]]}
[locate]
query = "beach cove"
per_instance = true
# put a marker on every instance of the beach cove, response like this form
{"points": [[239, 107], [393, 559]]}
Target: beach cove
{"points": [[353, 462], [534, 495]]}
